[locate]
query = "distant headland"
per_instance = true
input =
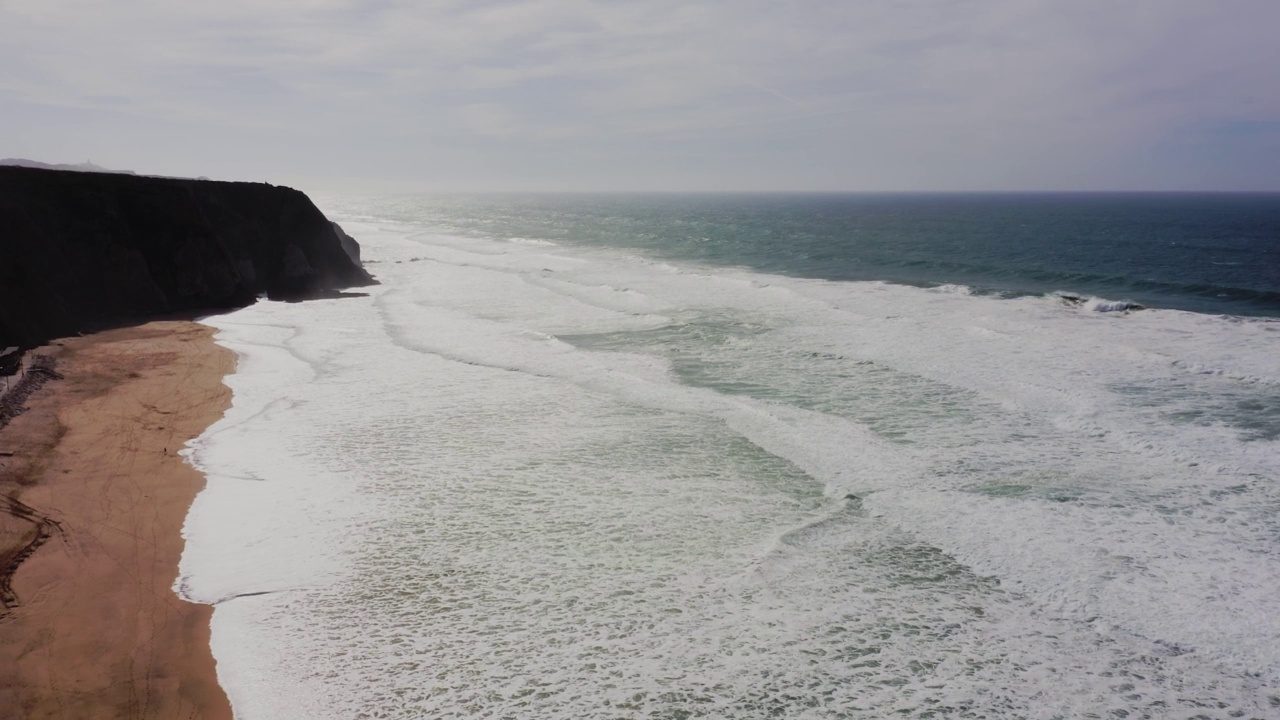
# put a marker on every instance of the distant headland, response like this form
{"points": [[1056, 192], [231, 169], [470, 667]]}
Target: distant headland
{"points": [[86, 166]]}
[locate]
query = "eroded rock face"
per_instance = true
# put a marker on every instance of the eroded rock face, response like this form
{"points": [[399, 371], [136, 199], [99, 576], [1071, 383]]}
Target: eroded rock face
{"points": [[81, 251], [348, 243]]}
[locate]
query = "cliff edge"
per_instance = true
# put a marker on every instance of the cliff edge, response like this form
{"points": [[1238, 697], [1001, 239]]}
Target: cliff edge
{"points": [[81, 251]]}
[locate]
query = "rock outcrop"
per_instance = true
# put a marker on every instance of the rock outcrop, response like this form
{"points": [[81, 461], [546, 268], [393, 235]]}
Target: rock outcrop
{"points": [[349, 244], [81, 251]]}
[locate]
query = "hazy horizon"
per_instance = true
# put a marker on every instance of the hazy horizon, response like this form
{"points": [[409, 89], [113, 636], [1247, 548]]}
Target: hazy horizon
{"points": [[90, 166], [712, 96]]}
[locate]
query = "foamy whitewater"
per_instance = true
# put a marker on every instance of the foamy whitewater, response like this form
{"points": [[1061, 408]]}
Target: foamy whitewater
{"points": [[532, 479]]}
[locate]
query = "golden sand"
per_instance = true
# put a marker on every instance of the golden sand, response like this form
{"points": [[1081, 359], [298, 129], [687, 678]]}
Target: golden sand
{"points": [[94, 496]]}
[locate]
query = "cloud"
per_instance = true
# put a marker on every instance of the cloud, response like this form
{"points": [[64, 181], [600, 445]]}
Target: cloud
{"points": [[981, 92], [488, 119]]}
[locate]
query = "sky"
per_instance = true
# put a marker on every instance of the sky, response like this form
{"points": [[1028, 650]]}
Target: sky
{"points": [[660, 95]]}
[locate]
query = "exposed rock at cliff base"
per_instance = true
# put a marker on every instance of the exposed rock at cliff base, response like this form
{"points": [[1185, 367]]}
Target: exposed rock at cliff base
{"points": [[80, 251]]}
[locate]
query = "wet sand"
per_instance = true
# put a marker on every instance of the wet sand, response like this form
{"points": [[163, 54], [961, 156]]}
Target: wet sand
{"points": [[94, 496]]}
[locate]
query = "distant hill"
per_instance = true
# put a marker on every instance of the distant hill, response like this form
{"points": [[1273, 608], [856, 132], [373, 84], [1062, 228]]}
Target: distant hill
{"points": [[77, 167]]}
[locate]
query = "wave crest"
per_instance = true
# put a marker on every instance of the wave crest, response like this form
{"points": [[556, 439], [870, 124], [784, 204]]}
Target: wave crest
{"points": [[1094, 303]]}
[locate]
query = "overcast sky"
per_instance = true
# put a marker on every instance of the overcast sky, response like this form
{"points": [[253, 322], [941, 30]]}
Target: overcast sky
{"points": [[657, 95]]}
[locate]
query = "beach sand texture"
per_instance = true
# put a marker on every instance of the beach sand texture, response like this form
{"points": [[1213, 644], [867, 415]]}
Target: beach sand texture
{"points": [[90, 626]]}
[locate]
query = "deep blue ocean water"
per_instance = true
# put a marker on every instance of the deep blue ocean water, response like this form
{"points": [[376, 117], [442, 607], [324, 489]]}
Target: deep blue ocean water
{"points": [[1216, 253]]}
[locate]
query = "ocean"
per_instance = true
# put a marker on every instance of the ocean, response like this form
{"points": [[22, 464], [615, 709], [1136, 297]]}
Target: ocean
{"points": [[751, 456]]}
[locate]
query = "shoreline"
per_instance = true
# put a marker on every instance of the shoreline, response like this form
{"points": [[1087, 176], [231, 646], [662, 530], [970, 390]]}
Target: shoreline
{"points": [[92, 627]]}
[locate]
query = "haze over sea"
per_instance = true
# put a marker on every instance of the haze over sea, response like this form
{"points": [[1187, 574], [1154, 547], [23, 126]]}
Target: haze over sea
{"points": [[746, 456]]}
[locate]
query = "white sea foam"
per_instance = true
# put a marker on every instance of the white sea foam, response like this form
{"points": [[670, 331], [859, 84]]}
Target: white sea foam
{"points": [[529, 480], [952, 289], [531, 241]]}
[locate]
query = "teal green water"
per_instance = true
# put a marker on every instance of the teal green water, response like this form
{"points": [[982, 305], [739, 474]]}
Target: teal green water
{"points": [[1215, 253]]}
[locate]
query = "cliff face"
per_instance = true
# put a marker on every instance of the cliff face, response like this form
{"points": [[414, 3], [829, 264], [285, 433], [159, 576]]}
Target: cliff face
{"points": [[79, 251]]}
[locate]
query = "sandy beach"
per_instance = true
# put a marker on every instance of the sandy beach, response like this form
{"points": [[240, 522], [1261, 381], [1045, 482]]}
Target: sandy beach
{"points": [[90, 626]]}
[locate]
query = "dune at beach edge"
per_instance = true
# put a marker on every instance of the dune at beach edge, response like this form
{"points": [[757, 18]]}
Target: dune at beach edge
{"points": [[93, 628]]}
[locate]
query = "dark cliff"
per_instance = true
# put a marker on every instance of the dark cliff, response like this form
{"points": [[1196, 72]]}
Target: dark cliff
{"points": [[81, 251]]}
